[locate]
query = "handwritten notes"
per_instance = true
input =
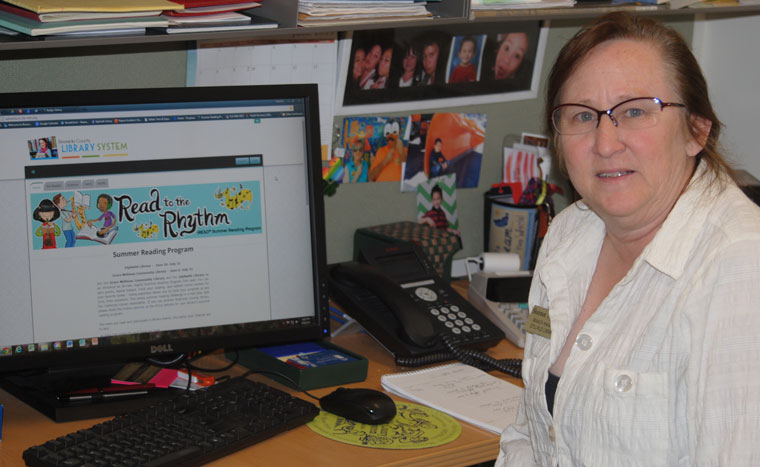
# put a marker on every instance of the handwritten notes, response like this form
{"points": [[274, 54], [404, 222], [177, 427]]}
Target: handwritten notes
{"points": [[462, 391]]}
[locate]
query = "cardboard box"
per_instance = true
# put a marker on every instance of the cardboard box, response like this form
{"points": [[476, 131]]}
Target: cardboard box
{"points": [[334, 374]]}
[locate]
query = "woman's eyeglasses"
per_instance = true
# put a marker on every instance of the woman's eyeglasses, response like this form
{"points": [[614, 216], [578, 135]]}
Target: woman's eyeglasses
{"points": [[638, 113]]}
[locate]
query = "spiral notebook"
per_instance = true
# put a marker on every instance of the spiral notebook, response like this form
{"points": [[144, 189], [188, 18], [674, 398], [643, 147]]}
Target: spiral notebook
{"points": [[462, 391]]}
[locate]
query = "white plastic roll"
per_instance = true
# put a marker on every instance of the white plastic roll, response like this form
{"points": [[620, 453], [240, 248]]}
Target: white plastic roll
{"points": [[500, 262]]}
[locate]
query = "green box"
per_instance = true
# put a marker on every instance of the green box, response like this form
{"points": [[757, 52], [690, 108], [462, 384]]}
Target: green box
{"points": [[308, 378]]}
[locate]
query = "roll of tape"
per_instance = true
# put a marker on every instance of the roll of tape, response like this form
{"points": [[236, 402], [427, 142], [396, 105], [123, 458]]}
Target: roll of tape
{"points": [[500, 262]]}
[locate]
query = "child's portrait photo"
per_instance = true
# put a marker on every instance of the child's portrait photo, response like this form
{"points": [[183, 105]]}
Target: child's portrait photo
{"points": [[465, 59]]}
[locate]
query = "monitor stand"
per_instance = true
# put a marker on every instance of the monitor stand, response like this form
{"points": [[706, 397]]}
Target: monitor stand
{"points": [[40, 390]]}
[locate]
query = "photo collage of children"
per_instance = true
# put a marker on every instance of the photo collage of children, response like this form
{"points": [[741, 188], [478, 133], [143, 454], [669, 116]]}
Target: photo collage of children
{"points": [[410, 149], [413, 64]]}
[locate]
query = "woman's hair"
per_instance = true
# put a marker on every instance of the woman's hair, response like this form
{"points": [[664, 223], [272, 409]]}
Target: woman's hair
{"points": [[685, 73], [46, 206]]}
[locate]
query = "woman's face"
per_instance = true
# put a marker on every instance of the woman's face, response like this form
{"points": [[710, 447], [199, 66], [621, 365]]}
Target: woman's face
{"points": [[46, 215], [510, 55], [629, 177], [358, 62], [385, 63], [410, 62], [370, 61], [43, 144]]}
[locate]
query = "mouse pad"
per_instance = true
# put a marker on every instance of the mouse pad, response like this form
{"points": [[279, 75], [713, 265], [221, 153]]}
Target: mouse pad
{"points": [[413, 427]]}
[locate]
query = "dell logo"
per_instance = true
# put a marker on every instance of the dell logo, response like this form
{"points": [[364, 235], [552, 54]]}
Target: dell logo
{"points": [[163, 348]]}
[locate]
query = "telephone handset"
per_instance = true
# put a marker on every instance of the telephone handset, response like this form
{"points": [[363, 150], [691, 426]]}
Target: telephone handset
{"points": [[395, 294]]}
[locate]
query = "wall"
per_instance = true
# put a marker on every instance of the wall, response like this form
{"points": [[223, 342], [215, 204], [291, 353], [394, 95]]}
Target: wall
{"points": [[353, 206], [362, 205], [727, 51]]}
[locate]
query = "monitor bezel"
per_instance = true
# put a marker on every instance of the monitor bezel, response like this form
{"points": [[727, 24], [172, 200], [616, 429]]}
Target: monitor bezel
{"points": [[157, 349]]}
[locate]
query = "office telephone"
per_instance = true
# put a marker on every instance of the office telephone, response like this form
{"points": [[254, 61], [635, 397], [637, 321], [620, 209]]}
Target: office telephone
{"points": [[395, 294]]}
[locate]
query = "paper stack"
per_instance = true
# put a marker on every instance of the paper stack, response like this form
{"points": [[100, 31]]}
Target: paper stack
{"points": [[336, 12], [479, 8], [47, 17], [104, 17], [215, 15]]}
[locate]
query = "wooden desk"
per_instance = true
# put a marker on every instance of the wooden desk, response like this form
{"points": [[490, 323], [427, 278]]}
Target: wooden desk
{"points": [[24, 427]]}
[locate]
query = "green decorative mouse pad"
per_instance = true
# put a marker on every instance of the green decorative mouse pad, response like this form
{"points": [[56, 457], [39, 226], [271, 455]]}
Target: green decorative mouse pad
{"points": [[413, 427]]}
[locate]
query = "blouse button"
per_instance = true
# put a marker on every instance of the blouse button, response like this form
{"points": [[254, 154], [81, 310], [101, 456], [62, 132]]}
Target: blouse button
{"points": [[584, 341], [623, 383]]}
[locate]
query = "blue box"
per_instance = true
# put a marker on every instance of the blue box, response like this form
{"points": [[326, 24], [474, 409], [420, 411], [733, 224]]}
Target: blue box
{"points": [[1, 422]]}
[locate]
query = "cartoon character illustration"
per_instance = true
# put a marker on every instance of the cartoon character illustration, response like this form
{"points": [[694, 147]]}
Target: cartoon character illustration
{"points": [[46, 212], [109, 219], [234, 199], [386, 166], [146, 230], [67, 216]]}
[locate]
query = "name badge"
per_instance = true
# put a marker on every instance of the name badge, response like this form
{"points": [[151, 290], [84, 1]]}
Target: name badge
{"points": [[539, 322]]}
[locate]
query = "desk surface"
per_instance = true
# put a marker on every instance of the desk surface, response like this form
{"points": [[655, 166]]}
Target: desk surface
{"points": [[24, 427]]}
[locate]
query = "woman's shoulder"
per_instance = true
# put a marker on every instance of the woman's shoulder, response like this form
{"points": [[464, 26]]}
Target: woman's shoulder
{"points": [[737, 216]]}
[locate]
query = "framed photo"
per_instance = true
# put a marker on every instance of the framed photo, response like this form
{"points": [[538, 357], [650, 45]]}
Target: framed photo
{"points": [[408, 69]]}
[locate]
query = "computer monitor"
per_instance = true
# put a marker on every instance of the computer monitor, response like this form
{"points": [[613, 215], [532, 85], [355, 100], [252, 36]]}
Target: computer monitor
{"points": [[155, 222]]}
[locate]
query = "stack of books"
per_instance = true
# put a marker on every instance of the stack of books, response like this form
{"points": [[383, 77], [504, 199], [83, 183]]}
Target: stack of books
{"points": [[337, 12], [118, 17]]}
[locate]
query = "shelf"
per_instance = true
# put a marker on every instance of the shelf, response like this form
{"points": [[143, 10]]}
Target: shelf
{"points": [[285, 12]]}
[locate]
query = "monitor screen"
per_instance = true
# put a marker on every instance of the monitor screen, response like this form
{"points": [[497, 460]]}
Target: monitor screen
{"points": [[147, 222]]}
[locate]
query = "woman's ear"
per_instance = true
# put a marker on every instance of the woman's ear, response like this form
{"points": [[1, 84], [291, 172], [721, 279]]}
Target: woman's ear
{"points": [[699, 129]]}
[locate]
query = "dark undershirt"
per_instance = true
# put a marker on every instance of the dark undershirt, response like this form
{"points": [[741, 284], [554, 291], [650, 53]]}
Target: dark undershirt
{"points": [[550, 388]]}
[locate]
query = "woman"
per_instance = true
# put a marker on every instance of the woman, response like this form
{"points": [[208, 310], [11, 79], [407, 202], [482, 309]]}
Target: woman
{"points": [[510, 55], [409, 77], [383, 69], [43, 150], [648, 286], [370, 67]]}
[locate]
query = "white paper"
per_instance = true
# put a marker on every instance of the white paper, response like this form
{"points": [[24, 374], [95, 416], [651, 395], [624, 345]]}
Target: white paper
{"points": [[462, 391]]}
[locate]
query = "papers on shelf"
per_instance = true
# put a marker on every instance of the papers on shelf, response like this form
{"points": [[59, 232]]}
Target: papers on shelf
{"points": [[37, 28], [50, 6], [320, 13], [74, 15], [500, 5], [229, 21], [193, 8]]}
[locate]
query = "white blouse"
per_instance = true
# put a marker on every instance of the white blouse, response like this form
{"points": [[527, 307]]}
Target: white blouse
{"points": [[666, 372]]}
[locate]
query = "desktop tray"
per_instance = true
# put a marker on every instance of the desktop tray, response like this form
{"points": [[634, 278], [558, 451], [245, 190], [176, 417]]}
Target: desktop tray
{"points": [[308, 378]]}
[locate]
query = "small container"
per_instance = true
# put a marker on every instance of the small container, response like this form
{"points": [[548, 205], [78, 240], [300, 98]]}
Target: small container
{"points": [[351, 371]]}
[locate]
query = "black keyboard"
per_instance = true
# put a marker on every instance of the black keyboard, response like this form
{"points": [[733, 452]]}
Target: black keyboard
{"points": [[191, 429]]}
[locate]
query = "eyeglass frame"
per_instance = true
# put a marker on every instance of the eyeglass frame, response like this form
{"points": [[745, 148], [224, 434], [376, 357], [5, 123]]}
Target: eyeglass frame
{"points": [[608, 112]]}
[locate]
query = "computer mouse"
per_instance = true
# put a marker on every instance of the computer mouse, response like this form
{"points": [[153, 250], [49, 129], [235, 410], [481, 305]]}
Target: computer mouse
{"points": [[360, 405]]}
